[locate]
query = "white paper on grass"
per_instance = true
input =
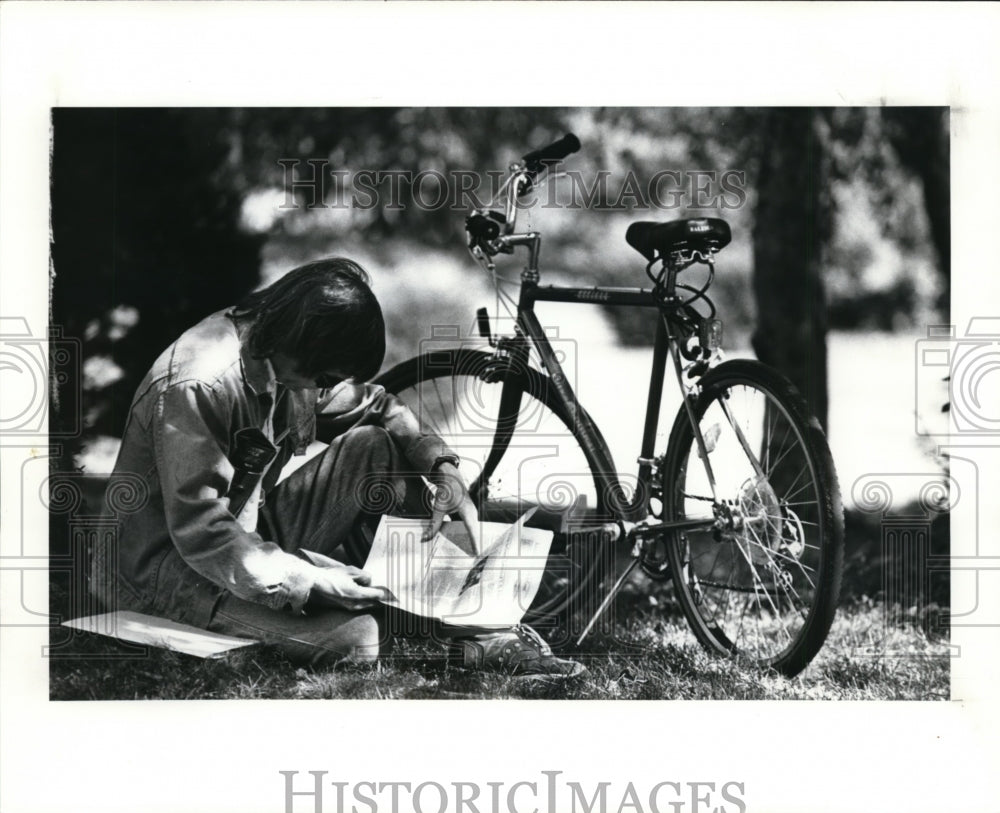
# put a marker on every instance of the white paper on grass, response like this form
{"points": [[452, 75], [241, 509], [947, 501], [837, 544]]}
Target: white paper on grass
{"points": [[441, 578], [147, 629]]}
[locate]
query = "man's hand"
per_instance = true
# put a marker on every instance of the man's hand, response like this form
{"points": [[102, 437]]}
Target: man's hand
{"points": [[345, 586], [452, 497]]}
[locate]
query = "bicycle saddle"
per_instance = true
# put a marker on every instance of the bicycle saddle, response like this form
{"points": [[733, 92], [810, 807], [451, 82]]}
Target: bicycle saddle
{"points": [[697, 233]]}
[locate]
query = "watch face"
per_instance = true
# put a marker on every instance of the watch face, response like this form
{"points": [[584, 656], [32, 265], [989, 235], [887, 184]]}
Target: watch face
{"points": [[257, 457], [253, 451]]}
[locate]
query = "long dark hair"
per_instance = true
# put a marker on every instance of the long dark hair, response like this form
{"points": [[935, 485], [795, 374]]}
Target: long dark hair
{"points": [[323, 315]]}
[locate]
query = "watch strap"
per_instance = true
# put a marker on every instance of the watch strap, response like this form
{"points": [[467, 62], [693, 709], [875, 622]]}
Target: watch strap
{"points": [[445, 458]]}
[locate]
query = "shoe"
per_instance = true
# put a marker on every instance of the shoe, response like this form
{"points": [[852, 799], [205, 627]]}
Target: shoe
{"points": [[519, 651]]}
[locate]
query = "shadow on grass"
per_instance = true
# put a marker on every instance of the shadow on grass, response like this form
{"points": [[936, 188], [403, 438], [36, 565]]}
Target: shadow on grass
{"points": [[642, 651], [859, 663]]}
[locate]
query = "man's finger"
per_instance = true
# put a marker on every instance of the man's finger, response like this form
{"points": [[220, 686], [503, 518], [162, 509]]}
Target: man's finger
{"points": [[361, 593], [470, 518], [362, 577], [319, 559], [437, 520]]}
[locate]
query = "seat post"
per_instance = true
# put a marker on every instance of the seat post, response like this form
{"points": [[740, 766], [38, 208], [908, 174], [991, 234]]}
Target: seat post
{"points": [[673, 265]]}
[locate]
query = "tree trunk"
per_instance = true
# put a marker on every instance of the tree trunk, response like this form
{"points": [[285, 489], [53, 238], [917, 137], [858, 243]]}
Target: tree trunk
{"points": [[791, 228], [920, 136]]}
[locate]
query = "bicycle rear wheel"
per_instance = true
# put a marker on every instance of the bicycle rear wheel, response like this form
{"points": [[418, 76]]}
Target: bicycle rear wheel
{"points": [[765, 586], [456, 394]]}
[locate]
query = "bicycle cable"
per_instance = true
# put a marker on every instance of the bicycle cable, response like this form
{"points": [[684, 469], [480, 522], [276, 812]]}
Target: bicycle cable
{"points": [[658, 279], [698, 293], [509, 305]]}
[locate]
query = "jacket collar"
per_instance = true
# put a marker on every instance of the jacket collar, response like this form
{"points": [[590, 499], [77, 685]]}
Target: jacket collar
{"points": [[257, 373]]}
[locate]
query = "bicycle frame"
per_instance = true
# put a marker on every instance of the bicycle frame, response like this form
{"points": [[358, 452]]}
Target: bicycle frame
{"points": [[530, 332], [663, 548]]}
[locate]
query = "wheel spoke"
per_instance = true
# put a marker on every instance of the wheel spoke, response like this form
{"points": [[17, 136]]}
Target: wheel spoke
{"points": [[803, 470], [759, 581], [769, 433], [764, 578], [783, 454], [801, 488], [543, 463], [775, 553]]}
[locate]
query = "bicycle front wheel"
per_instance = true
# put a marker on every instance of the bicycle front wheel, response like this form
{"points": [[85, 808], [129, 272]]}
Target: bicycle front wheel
{"points": [[763, 584], [456, 394]]}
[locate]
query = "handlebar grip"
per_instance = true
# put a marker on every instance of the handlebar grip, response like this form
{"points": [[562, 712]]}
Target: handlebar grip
{"points": [[535, 160]]}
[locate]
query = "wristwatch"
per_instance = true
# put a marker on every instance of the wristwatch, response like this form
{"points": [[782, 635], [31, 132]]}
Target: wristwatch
{"points": [[445, 458]]}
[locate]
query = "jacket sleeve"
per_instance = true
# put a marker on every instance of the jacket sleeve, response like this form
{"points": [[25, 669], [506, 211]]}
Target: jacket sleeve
{"points": [[350, 406], [191, 439]]}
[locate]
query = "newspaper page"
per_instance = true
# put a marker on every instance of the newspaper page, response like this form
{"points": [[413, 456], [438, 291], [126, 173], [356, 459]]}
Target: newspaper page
{"points": [[442, 578]]}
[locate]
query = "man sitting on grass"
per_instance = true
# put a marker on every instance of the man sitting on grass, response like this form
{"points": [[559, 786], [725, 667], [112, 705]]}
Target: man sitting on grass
{"points": [[220, 543]]}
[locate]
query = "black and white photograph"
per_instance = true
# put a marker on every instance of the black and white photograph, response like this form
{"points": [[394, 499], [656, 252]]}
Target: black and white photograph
{"points": [[367, 440], [644, 329]]}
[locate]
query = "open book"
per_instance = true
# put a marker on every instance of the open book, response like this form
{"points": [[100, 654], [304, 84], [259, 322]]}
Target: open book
{"points": [[441, 578]]}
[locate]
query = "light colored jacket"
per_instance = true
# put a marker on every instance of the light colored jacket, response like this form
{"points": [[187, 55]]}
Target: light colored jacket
{"points": [[182, 548]]}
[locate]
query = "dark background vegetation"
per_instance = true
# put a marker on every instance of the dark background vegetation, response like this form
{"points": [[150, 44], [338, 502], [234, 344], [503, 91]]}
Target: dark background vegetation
{"points": [[161, 216], [150, 234]]}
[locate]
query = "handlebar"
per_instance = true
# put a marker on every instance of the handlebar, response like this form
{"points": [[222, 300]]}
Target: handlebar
{"points": [[536, 160], [534, 163], [493, 232]]}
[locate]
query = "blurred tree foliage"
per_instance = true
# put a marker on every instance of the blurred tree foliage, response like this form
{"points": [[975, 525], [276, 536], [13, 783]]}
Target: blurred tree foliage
{"points": [[160, 217], [145, 241]]}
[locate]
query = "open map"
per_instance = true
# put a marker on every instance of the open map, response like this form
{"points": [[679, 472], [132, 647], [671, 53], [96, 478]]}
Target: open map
{"points": [[441, 578]]}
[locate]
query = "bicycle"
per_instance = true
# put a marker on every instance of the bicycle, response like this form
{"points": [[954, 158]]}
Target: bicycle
{"points": [[742, 510]]}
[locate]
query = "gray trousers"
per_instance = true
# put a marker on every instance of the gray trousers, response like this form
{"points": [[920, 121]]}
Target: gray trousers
{"points": [[331, 505]]}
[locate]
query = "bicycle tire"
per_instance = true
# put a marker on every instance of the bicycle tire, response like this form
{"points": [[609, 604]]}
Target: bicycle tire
{"points": [[546, 445], [766, 591]]}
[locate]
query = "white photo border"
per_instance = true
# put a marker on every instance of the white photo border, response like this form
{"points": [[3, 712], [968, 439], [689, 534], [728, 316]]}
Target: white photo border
{"points": [[226, 755]]}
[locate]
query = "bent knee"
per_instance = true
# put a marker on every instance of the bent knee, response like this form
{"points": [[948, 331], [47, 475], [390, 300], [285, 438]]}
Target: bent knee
{"points": [[368, 437], [370, 447]]}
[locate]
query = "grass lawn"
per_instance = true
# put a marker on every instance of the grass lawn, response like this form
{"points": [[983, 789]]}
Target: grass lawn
{"points": [[873, 652], [863, 659]]}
